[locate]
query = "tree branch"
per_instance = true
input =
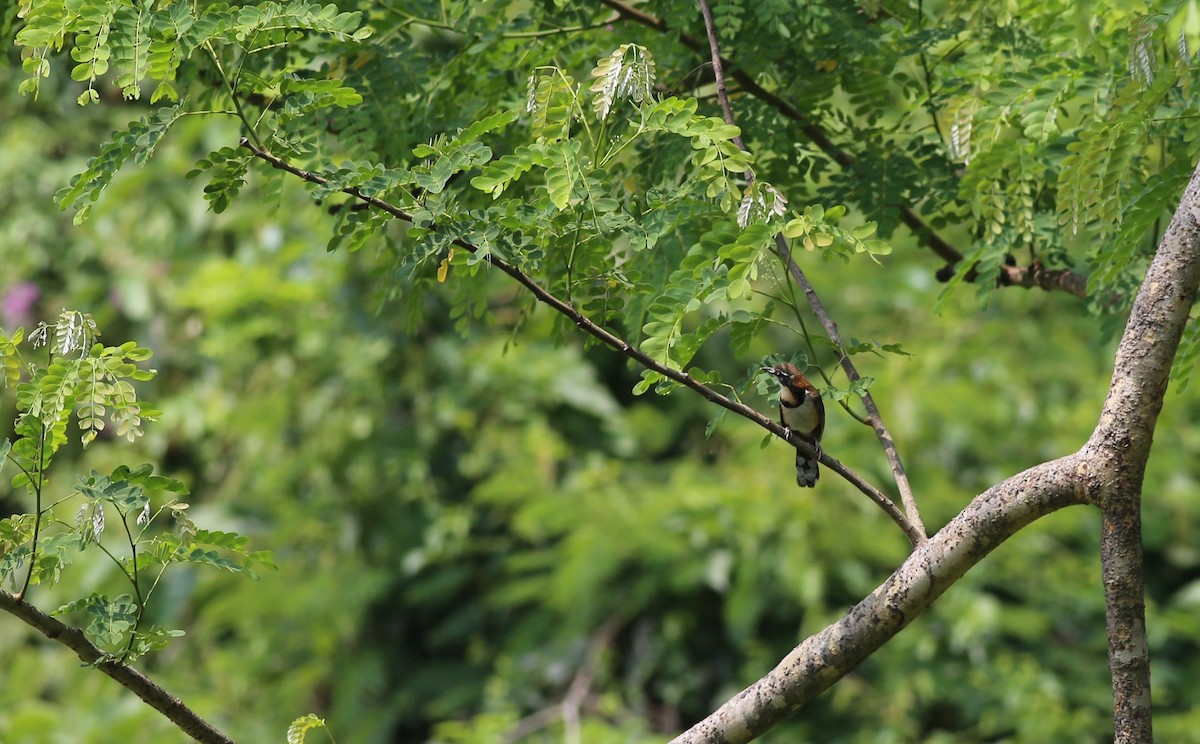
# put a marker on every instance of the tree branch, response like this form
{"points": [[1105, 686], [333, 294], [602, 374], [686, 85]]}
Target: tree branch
{"points": [[814, 302], [1119, 449], [1070, 281], [172, 707], [609, 339], [824, 658], [1037, 275]]}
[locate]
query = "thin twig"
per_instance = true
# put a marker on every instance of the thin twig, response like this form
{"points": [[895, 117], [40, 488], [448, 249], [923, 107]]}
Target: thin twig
{"points": [[38, 511], [929, 105], [719, 78], [718, 69], [873, 415], [814, 302], [914, 535], [578, 692], [137, 585], [156, 697]]}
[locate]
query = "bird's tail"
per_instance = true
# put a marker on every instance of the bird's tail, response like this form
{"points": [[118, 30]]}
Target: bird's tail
{"points": [[806, 470]]}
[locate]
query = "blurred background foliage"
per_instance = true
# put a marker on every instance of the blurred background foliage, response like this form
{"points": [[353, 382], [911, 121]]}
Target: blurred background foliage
{"points": [[483, 536]]}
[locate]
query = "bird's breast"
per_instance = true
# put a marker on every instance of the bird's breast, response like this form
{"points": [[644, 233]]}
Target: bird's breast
{"points": [[802, 419]]}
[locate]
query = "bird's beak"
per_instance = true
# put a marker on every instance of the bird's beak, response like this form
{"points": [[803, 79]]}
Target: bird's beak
{"points": [[768, 370]]}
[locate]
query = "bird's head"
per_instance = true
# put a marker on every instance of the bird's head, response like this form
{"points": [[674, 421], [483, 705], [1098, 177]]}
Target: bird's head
{"points": [[786, 374]]}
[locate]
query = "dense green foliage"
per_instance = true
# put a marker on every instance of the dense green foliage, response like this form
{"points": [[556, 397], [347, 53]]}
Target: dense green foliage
{"points": [[476, 515]]}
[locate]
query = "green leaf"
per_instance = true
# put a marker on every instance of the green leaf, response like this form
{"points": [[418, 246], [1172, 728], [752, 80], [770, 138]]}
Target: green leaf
{"points": [[877, 247], [480, 128], [299, 728], [553, 103], [500, 174], [714, 422], [865, 230], [560, 174]]}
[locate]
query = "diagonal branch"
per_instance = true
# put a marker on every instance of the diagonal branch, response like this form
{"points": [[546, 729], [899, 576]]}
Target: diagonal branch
{"points": [[824, 658], [172, 707], [1047, 279], [610, 339], [814, 302]]}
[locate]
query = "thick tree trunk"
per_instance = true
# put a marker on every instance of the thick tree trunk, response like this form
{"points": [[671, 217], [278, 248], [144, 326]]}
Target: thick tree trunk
{"points": [[1120, 447]]}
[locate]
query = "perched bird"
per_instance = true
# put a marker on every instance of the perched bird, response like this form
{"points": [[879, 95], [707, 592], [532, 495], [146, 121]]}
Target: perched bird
{"points": [[803, 414]]}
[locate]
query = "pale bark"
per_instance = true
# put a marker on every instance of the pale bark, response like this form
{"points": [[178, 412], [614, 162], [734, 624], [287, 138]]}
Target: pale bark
{"points": [[1120, 447]]}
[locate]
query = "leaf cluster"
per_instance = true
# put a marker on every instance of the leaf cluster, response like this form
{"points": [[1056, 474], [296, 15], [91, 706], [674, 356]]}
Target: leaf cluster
{"points": [[92, 384], [136, 43]]}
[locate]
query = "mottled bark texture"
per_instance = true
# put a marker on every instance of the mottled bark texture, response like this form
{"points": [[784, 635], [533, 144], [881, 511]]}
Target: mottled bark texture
{"points": [[1120, 447], [1107, 472]]}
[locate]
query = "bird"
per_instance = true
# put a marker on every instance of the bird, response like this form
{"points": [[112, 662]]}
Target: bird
{"points": [[802, 413]]}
